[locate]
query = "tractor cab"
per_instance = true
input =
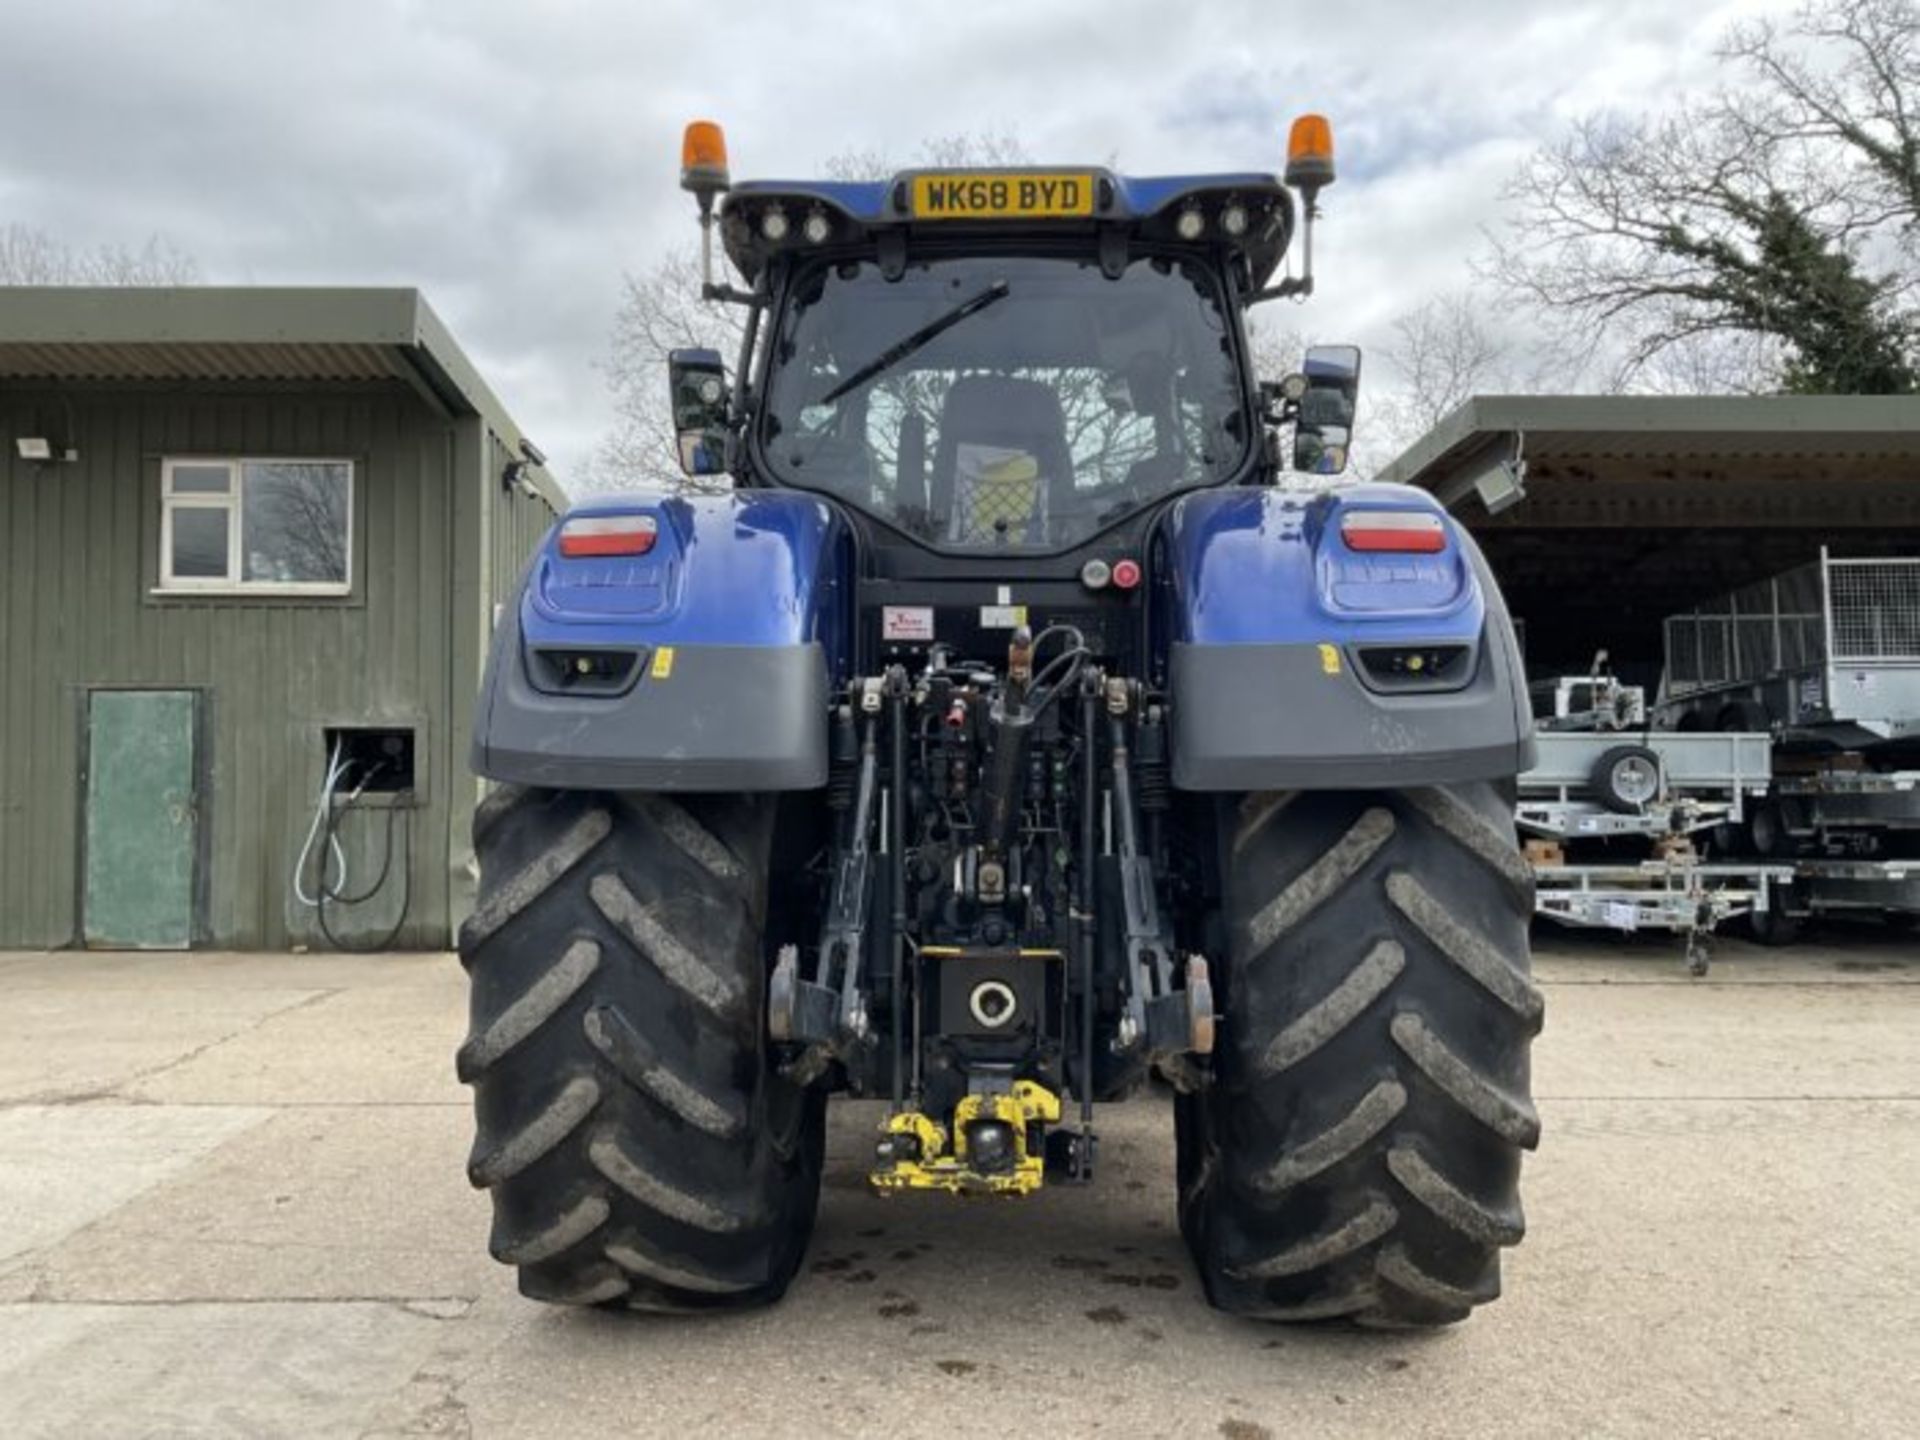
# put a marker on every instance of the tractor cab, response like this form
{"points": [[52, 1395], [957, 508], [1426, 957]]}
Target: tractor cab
{"points": [[987, 364]]}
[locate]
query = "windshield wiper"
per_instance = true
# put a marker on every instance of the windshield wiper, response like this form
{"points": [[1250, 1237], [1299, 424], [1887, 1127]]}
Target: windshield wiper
{"points": [[899, 351]]}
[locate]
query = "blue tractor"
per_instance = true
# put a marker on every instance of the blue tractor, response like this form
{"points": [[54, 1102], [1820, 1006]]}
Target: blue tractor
{"points": [[999, 725]]}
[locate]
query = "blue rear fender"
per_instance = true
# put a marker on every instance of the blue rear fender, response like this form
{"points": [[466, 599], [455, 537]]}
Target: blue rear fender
{"points": [[703, 663], [1299, 661]]}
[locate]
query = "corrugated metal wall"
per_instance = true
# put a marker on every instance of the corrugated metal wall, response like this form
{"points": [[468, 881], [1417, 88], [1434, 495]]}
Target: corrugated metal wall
{"points": [[511, 522], [80, 544]]}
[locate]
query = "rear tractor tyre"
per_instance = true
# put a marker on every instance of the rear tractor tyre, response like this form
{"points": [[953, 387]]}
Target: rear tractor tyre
{"points": [[1358, 1154], [641, 1150]]}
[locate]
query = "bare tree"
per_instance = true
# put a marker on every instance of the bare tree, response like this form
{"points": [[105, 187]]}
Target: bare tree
{"points": [[294, 521], [30, 256], [1275, 346], [1859, 108], [1443, 352], [661, 310], [1727, 362], [1755, 213], [959, 151]]}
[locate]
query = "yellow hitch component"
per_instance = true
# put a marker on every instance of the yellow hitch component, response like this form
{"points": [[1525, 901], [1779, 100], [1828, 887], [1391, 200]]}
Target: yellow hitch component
{"points": [[923, 1163], [931, 1137]]}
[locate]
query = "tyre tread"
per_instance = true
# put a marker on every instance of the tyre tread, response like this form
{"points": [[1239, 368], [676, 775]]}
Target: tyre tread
{"points": [[501, 903], [1357, 1156], [622, 1090], [1341, 1006], [676, 960]]}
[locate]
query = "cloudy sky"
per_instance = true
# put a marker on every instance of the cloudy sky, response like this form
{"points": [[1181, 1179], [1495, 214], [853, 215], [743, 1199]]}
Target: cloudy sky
{"points": [[513, 159]]}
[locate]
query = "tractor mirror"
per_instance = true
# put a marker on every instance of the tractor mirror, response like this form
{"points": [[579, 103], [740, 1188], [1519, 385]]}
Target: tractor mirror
{"points": [[697, 389], [1328, 389]]}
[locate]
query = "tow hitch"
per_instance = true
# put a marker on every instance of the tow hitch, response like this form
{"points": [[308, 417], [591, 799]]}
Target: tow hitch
{"points": [[998, 1145]]}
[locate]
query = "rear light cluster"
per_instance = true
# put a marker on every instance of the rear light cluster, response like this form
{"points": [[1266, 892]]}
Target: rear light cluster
{"points": [[595, 535], [1394, 532]]}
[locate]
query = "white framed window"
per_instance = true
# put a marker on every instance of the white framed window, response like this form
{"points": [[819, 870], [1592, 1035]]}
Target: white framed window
{"points": [[250, 525]]}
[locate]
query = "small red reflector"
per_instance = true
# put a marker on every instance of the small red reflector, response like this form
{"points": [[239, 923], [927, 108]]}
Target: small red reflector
{"points": [[607, 535], [1126, 574], [1405, 532]]}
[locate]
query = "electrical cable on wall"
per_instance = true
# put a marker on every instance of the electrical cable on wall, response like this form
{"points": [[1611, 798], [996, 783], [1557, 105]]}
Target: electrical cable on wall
{"points": [[327, 783], [335, 876]]}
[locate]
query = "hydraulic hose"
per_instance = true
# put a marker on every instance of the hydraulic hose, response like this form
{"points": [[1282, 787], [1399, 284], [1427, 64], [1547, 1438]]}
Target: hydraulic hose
{"points": [[897, 872], [322, 807], [1085, 925], [334, 872], [400, 802]]}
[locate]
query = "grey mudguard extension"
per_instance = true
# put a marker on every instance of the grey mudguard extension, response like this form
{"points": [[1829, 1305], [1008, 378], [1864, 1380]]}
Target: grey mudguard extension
{"points": [[726, 717], [1261, 717]]}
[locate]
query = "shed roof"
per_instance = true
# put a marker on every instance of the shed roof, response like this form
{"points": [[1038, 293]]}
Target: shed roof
{"points": [[246, 333], [1624, 509], [1448, 458]]}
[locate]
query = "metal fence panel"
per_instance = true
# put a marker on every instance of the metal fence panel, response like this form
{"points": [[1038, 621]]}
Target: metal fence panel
{"points": [[1876, 609], [1756, 631]]}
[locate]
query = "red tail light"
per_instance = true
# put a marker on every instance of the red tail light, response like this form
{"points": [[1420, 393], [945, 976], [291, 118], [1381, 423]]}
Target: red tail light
{"points": [[1405, 532], [607, 535]]}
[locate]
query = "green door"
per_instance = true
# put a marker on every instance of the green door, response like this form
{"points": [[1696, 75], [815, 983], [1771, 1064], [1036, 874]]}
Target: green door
{"points": [[141, 819]]}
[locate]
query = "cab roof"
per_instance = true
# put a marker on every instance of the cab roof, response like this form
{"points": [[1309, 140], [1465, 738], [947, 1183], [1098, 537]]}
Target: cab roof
{"points": [[860, 212]]}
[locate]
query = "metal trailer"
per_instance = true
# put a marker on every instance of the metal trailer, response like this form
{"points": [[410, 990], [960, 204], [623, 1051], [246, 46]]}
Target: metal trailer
{"points": [[1888, 889], [1828, 653], [1591, 785], [1837, 827], [1588, 702], [1848, 821], [1683, 897], [1847, 803]]}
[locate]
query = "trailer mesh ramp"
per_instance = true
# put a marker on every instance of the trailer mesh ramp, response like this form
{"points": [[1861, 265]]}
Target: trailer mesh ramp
{"points": [[1774, 625], [1876, 609]]}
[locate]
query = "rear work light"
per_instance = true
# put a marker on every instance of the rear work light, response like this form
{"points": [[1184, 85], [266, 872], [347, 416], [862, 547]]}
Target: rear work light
{"points": [[607, 535], [1404, 532]]}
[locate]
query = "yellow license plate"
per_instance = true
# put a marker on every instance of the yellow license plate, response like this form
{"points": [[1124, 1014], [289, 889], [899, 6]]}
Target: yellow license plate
{"points": [[986, 196]]}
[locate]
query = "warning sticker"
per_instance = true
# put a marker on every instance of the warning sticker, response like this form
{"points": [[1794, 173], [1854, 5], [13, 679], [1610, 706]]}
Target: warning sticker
{"points": [[1002, 617], [1620, 915], [906, 622], [663, 662], [1330, 659]]}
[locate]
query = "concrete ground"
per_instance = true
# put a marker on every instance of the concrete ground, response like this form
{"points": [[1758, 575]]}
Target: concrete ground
{"points": [[232, 1203]]}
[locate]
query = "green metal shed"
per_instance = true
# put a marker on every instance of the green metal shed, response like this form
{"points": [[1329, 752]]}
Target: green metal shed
{"points": [[244, 531]]}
